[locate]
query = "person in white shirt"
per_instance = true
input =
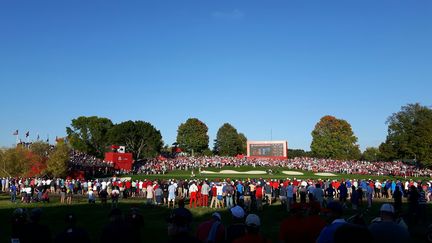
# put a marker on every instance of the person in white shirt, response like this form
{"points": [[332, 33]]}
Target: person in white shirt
{"points": [[205, 189], [103, 185], [150, 194], [219, 194], [171, 194], [193, 189]]}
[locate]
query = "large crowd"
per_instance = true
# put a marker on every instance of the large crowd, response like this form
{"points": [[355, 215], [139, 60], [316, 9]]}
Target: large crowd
{"points": [[303, 198], [308, 201], [395, 168]]}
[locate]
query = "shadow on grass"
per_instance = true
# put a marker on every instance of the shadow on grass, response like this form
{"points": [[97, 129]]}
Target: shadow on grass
{"points": [[94, 217]]}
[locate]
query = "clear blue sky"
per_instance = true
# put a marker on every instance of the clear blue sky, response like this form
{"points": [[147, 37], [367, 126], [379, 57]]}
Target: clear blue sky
{"points": [[260, 65]]}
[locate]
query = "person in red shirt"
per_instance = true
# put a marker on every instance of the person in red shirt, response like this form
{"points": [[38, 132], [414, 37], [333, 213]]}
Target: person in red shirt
{"points": [[292, 228], [128, 188], [313, 223], [259, 196], [199, 196]]}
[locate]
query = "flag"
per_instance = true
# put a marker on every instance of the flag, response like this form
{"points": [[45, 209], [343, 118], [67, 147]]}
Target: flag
{"points": [[15, 133], [27, 134], [121, 149], [37, 139]]}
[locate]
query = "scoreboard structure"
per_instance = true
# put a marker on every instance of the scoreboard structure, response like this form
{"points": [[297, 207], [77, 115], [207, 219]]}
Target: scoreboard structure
{"points": [[267, 149]]}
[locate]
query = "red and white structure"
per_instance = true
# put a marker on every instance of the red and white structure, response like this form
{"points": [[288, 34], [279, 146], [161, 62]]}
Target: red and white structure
{"points": [[119, 158]]}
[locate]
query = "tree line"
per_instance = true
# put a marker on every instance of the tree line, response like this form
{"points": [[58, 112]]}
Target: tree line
{"points": [[409, 138], [39, 158], [94, 135]]}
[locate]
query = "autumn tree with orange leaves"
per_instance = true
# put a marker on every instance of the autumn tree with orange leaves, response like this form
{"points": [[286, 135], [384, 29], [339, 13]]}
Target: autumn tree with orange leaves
{"points": [[334, 138]]}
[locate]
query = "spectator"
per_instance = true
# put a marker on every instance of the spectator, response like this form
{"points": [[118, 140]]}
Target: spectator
{"points": [[238, 228], [335, 214], [252, 235], [212, 230], [72, 233], [386, 229], [179, 226]]}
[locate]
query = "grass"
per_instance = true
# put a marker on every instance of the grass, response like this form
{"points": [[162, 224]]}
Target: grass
{"points": [[94, 217], [277, 174]]}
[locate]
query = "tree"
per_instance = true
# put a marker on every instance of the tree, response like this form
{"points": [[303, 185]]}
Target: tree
{"points": [[410, 134], [89, 134], [3, 172], [243, 143], [192, 136], [57, 163], [371, 154], [40, 149], [227, 141], [141, 138], [334, 138], [16, 162], [297, 153]]}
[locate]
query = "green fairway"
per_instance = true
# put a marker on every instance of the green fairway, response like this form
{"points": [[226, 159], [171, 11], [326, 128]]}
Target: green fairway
{"points": [[276, 174], [94, 217]]}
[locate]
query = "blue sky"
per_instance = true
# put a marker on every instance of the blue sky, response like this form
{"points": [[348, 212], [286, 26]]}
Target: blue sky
{"points": [[260, 65]]}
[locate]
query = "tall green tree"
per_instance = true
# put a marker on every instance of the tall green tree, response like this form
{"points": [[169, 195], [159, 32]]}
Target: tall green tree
{"points": [[3, 172], [89, 134], [243, 143], [192, 136], [57, 164], [296, 153], [227, 141], [334, 138], [371, 154], [410, 134], [140, 138]]}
